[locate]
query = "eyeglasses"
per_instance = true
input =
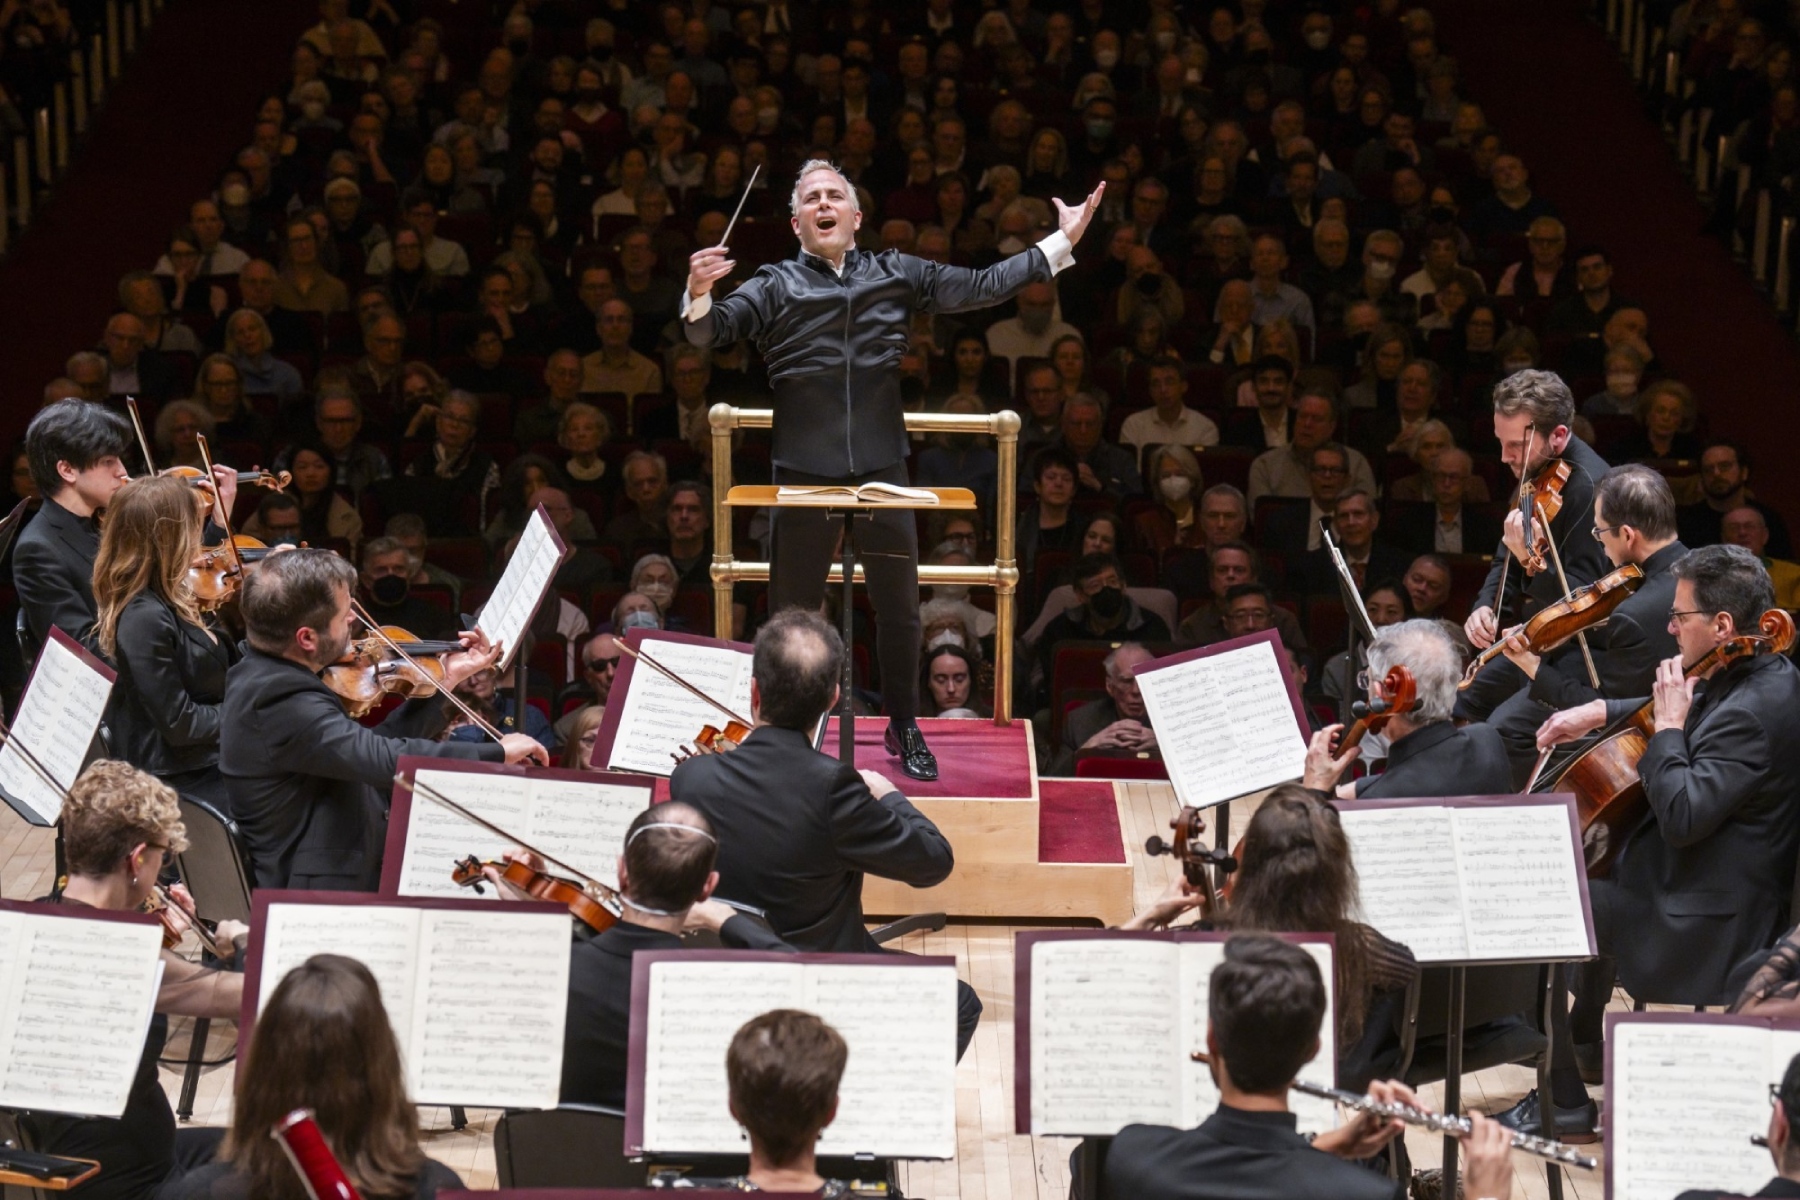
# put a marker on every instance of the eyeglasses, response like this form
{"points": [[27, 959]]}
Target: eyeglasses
{"points": [[1598, 530], [1675, 614], [597, 665]]}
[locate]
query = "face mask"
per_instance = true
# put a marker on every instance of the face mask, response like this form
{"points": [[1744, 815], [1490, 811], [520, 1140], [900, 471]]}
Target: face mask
{"points": [[1318, 39], [766, 117], [1011, 245], [1107, 603], [950, 591], [1381, 269], [1150, 283], [639, 620], [660, 593], [587, 96], [286, 539], [1193, 75], [1622, 384], [1099, 131], [1106, 60], [1441, 215], [1518, 364], [1035, 320], [1165, 41], [600, 53], [390, 590], [312, 110], [1176, 487]]}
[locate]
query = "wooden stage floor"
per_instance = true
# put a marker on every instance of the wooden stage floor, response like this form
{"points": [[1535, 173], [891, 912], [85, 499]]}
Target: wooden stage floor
{"points": [[992, 1162]]}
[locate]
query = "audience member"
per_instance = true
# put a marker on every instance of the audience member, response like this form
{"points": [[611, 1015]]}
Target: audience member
{"points": [[1354, 523], [1118, 723], [1725, 485], [1286, 472]]}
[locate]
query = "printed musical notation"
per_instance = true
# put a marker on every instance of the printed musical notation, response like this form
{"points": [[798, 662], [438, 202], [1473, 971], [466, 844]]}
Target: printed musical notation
{"points": [[57, 718], [509, 608], [1225, 723], [660, 717], [76, 998], [477, 996]]}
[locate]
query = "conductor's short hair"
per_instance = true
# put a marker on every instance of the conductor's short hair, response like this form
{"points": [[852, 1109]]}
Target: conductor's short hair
{"points": [[290, 592], [78, 432], [1266, 1004], [796, 663]]}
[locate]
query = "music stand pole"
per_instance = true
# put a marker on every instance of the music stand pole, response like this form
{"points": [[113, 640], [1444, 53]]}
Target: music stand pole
{"points": [[846, 704]]}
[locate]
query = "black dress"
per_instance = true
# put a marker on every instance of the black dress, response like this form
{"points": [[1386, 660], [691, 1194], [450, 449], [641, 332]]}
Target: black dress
{"points": [[163, 716]]}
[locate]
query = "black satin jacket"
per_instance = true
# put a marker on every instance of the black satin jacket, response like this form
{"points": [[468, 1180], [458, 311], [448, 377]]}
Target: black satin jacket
{"points": [[833, 344]]}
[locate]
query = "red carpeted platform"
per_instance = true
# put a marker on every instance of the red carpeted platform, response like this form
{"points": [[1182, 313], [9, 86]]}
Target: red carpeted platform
{"points": [[1078, 822], [975, 758]]}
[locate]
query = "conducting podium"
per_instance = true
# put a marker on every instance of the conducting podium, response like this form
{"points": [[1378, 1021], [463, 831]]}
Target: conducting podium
{"points": [[850, 503]]}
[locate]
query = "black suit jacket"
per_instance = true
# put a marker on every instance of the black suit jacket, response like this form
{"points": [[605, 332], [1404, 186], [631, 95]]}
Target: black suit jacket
{"points": [[1571, 529], [797, 830], [1627, 649], [53, 571], [599, 1017], [1415, 528], [1234, 1155], [1442, 760], [309, 785], [163, 716], [1705, 879], [1779, 1188], [1287, 530]]}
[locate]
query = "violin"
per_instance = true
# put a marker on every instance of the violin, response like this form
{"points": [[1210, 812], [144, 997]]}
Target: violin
{"points": [[711, 739], [164, 906], [1554, 624], [275, 481], [1194, 857], [1540, 500], [371, 670], [598, 914], [1609, 793]]}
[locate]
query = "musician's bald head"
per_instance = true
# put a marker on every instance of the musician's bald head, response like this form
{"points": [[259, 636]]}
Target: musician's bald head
{"points": [[668, 858], [795, 669]]}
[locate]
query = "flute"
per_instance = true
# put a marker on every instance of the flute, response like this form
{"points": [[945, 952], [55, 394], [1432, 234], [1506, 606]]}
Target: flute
{"points": [[1440, 1123]]}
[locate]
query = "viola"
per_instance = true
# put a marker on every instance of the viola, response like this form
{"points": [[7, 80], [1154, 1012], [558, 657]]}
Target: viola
{"points": [[1194, 857], [597, 913], [1554, 624], [1609, 793], [318, 1168], [370, 670], [1398, 692]]}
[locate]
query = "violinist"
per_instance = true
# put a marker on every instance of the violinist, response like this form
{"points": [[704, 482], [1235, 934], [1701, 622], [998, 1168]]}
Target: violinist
{"points": [[76, 451], [1704, 880], [1634, 522], [1532, 414], [163, 715], [666, 880], [119, 828], [1428, 754], [309, 784]]}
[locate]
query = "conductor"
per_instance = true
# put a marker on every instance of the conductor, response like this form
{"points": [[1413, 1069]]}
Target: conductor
{"points": [[832, 325]]}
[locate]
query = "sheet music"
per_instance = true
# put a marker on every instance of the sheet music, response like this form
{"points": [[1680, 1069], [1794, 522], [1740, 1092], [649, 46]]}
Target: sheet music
{"points": [[1520, 892], [1225, 724], [898, 1096], [583, 824], [695, 1010], [76, 998], [1685, 1098], [1114, 1025], [1410, 892], [492, 1009], [660, 716], [509, 608], [477, 1000], [56, 722]]}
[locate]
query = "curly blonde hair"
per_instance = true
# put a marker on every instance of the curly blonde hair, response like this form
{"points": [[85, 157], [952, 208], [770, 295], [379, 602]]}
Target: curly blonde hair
{"points": [[112, 808]]}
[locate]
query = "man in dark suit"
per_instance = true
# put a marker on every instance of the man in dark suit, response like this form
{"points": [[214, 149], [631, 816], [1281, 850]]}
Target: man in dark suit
{"points": [[665, 874], [1447, 523], [1428, 755], [1532, 414], [831, 326], [1354, 522], [309, 783], [1264, 1009], [75, 450], [1119, 722], [1634, 519], [1704, 879], [797, 829]]}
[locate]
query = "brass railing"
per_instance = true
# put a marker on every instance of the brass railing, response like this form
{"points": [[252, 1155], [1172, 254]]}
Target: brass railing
{"points": [[1002, 575]]}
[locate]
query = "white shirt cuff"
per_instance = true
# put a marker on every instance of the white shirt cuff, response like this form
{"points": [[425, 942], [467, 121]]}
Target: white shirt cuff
{"points": [[1057, 249], [693, 309]]}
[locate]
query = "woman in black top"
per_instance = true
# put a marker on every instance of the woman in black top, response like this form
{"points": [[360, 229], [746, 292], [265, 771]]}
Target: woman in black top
{"points": [[322, 1042], [163, 716]]}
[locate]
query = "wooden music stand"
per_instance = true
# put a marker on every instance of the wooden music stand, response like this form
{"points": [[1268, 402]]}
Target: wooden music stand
{"points": [[767, 496]]}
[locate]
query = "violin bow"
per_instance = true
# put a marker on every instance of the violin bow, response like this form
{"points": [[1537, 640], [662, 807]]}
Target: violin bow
{"points": [[137, 423], [1563, 579], [475, 718], [219, 503], [474, 818], [43, 772], [673, 677]]}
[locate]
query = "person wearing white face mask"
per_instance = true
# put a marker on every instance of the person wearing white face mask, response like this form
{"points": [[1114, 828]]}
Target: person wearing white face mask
{"points": [[1175, 484], [655, 576], [635, 611], [1624, 375], [952, 599]]}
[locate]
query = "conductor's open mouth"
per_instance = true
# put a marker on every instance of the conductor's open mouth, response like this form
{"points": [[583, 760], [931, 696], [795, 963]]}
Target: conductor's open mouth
{"points": [[825, 223]]}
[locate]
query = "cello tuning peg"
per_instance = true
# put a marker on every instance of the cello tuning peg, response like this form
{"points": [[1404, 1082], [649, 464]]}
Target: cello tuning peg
{"points": [[1154, 845]]}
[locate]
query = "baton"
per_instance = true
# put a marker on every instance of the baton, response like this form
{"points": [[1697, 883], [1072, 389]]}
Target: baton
{"points": [[754, 172]]}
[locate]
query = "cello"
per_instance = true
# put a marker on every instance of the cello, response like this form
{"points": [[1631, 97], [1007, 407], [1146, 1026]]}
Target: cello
{"points": [[1194, 857], [1609, 793]]}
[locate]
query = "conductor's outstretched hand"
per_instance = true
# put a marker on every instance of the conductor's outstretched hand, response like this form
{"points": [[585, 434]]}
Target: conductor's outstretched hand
{"points": [[706, 267], [1074, 221]]}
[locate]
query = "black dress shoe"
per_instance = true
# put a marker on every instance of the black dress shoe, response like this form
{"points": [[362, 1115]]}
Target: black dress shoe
{"points": [[1576, 1126], [916, 758], [1590, 1060]]}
